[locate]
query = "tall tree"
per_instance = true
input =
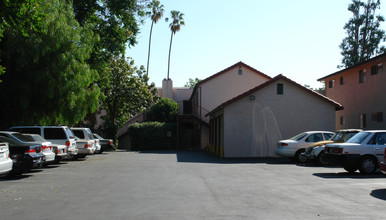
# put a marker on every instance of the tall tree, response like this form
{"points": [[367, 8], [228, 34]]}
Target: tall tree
{"points": [[23, 15], [156, 13], [127, 93], [192, 82], [175, 26], [364, 34], [47, 79]]}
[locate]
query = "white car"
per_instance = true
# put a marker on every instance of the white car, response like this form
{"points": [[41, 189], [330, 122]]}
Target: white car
{"points": [[5, 160], [85, 142], [364, 151], [57, 135], [98, 147], [296, 145], [47, 149], [61, 152]]}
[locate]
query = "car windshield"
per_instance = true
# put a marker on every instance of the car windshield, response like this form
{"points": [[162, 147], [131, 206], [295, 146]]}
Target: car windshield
{"points": [[359, 138], [97, 136], [38, 138], [337, 136], [298, 137], [23, 137], [70, 134]]}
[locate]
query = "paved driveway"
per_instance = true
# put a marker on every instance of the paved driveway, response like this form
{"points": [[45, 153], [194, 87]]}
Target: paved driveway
{"points": [[190, 185]]}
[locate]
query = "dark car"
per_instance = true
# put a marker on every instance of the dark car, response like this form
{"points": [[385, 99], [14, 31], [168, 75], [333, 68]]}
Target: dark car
{"points": [[106, 144], [24, 152]]}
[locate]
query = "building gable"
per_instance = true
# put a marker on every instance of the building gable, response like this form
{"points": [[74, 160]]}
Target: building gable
{"points": [[224, 85], [279, 89]]}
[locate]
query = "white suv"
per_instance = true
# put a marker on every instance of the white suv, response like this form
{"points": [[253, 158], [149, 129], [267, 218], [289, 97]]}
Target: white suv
{"points": [[85, 140], [57, 135]]}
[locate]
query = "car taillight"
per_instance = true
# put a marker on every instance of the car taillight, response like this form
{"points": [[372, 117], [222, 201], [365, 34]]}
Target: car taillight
{"points": [[86, 145], [31, 151], [284, 144], [111, 142], [44, 147], [56, 151], [67, 143]]}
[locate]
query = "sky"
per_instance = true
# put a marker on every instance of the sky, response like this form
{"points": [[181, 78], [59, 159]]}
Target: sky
{"points": [[298, 38]]}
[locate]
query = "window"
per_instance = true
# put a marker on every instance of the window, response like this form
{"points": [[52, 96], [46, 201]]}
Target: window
{"points": [[377, 116], [376, 68], [54, 133], [362, 76], [341, 81], [362, 120], [341, 120], [27, 130], [79, 134], [314, 138], [280, 89], [327, 136], [331, 84], [378, 139]]}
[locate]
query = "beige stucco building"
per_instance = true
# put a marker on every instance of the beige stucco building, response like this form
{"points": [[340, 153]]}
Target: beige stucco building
{"points": [[361, 89], [207, 95], [250, 124]]}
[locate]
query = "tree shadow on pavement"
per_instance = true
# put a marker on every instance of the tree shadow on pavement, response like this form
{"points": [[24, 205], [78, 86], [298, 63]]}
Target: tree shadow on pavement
{"points": [[379, 193], [201, 156]]}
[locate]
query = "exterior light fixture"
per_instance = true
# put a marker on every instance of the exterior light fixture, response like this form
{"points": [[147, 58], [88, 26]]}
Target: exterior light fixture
{"points": [[251, 97]]}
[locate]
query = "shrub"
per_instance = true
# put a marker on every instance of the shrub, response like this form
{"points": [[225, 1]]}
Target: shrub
{"points": [[165, 110], [152, 136]]}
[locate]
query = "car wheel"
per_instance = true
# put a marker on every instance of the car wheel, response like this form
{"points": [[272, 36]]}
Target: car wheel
{"points": [[299, 157], [367, 165], [322, 160]]}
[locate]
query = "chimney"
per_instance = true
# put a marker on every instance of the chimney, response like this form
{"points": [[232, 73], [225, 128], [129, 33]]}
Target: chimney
{"points": [[167, 88]]}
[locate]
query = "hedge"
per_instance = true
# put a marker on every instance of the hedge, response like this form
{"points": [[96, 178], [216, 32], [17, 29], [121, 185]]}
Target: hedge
{"points": [[152, 136]]}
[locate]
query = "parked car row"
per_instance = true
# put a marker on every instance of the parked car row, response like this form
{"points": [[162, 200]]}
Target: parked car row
{"points": [[25, 147], [353, 149]]}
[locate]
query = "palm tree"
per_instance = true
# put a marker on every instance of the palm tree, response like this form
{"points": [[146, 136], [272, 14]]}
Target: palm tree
{"points": [[175, 26], [156, 13]]}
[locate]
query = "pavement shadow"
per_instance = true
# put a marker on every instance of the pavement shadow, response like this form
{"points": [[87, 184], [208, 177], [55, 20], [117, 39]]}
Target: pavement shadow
{"points": [[379, 194], [14, 177], [201, 156], [355, 175], [51, 166]]}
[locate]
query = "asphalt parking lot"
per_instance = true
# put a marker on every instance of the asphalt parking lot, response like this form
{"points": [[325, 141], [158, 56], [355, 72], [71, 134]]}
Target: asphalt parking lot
{"points": [[190, 185]]}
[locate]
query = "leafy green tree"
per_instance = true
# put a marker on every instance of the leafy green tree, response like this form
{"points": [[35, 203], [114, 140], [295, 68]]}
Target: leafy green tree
{"points": [[156, 13], [175, 26], [192, 82], [23, 15], [165, 110], [364, 34], [47, 80], [127, 93]]}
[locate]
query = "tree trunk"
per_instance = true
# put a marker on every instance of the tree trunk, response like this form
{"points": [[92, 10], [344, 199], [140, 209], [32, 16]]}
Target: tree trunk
{"points": [[170, 50], [148, 55]]}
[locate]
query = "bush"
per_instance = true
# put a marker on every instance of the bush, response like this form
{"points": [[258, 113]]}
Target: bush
{"points": [[152, 136], [165, 110]]}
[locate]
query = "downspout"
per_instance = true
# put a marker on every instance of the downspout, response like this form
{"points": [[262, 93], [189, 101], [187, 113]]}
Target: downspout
{"points": [[178, 136], [200, 103]]}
